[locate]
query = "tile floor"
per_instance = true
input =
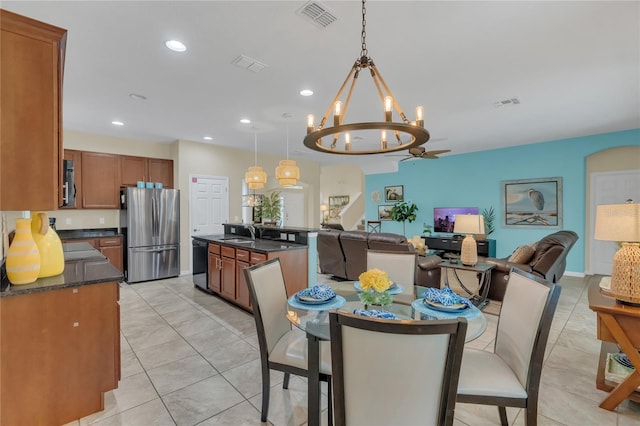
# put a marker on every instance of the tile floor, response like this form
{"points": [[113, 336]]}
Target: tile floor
{"points": [[189, 358]]}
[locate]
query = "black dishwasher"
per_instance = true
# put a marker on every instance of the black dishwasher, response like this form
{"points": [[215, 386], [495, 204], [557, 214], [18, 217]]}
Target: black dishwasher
{"points": [[200, 263]]}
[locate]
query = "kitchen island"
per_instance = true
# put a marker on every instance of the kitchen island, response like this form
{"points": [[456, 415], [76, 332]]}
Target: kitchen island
{"points": [[60, 341], [228, 254]]}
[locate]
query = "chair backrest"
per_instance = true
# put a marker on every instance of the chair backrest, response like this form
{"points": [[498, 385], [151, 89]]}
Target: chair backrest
{"points": [[400, 266], [549, 260], [523, 327], [269, 301], [391, 372]]}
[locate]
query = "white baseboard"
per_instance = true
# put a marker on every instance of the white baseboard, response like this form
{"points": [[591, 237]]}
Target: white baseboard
{"points": [[574, 274]]}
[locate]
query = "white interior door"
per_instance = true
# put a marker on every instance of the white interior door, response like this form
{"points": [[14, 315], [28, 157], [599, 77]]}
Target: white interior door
{"points": [[293, 209], [208, 204], [609, 188]]}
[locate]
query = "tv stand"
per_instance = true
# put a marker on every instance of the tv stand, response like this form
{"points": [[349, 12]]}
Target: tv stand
{"points": [[453, 244]]}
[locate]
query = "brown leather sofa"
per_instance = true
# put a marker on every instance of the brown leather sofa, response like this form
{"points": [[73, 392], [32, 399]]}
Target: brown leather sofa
{"points": [[343, 254], [548, 261]]}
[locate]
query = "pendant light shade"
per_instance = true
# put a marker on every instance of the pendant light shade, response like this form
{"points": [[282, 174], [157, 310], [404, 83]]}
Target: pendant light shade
{"points": [[287, 171], [255, 176]]}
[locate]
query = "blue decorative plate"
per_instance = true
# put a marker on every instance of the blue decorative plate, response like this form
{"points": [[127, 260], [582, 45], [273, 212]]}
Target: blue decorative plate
{"points": [[334, 303], [445, 308], [394, 289], [310, 300]]}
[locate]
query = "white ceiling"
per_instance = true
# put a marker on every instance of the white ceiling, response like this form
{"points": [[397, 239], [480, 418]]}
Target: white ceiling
{"points": [[574, 66]]}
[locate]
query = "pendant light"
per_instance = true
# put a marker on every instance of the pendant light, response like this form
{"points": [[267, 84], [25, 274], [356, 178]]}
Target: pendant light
{"points": [[287, 171], [255, 176]]}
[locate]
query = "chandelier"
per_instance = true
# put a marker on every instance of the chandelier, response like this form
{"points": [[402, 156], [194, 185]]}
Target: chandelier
{"points": [[287, 171], [402, 134], [255, 176]]}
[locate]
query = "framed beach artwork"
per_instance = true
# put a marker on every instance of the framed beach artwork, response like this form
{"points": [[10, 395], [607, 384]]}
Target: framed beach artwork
{"points": [[532, 203], [384, 212], [393, 194]]}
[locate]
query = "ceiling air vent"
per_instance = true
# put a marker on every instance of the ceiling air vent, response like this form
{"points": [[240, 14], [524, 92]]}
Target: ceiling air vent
{"points": [[318, 13], [507, 102], [248, 63]]}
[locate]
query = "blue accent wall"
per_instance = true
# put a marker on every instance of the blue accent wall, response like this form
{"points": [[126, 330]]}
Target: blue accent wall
{"points": [[474, 180]]}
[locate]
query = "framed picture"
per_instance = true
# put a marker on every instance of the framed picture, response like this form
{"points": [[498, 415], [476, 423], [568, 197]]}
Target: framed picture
{"points": [[532, 203], [384, 212], [393, 194]]}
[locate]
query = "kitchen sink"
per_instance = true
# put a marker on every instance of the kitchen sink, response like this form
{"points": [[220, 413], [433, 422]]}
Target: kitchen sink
{"points": [[237, 240]]}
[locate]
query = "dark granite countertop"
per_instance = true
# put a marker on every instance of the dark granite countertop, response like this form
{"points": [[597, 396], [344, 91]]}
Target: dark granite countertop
{"points": [[82, 265], [259, 245], [74, 234]]}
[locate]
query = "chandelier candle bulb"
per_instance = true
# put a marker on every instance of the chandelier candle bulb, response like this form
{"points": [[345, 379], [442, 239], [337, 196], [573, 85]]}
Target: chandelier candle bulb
{"points": [[337, 112], [420, 116], [309, 123], [388, 103], [347, 142], [383, 140]]}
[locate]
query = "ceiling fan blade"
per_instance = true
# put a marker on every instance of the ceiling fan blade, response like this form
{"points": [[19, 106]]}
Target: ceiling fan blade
{"points": [[437, 152]]}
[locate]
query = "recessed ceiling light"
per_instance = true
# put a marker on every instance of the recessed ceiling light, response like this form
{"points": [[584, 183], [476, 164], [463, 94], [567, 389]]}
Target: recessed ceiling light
{"points": [[208, 138], [137, 97], [306, 92], [176, 46], [117, 123], [245, 121]]}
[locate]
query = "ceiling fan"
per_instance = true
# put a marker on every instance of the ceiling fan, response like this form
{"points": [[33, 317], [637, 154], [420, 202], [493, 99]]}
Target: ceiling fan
{"points": [[420, 153]]}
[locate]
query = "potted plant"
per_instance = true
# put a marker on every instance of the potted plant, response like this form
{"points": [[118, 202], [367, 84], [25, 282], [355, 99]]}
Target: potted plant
{"points": [[489, 216], [270, 208], [403, 211]]}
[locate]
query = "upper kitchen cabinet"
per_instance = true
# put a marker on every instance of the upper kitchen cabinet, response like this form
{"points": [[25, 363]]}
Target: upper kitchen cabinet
{"points": [[135, 169], [32, 60], [100, 180]]}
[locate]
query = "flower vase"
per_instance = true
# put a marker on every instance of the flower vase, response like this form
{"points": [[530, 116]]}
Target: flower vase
{"points": [[23, 257], [375, 298]]}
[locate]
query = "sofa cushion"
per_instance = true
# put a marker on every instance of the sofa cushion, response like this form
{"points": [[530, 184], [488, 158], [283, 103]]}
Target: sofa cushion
{"points": [[522, 254]]}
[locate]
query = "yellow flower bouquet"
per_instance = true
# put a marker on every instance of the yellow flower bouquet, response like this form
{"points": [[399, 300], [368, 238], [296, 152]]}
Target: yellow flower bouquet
{"points": [[374, 284]]}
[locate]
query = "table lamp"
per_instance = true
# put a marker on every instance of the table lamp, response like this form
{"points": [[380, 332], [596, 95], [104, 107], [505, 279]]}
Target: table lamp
{"points": [[324, 208], [469, 224], [621, 223]]}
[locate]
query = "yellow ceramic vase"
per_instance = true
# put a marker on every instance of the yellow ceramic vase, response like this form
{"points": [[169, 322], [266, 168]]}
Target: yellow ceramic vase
{"points": [[49, 245], [23, 258]]}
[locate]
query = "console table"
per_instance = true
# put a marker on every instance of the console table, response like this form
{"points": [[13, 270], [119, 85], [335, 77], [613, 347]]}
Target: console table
{"points": [[617, 323], [453, 244]]}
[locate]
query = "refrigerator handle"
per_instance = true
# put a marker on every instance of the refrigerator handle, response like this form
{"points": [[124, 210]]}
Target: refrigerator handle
{"points": [[154, 217]]}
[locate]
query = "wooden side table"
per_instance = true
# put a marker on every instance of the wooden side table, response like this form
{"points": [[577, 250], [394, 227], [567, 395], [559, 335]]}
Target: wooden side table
{"points": [[620, 324], [484, 277]]}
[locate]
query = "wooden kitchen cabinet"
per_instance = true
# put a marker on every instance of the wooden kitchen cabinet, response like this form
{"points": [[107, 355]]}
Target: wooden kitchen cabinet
{"points": [[228, 265], [134, 169], [242, 290], [32, 57], [100, 180], [111, 247], [215, 268], [63, 343]]}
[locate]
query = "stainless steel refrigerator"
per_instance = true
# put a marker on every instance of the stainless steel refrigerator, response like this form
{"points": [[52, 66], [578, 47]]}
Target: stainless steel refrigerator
{"points": [[150, 221]]}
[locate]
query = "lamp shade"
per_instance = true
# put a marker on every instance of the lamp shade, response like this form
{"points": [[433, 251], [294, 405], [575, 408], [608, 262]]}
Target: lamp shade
{"points": [[287, 173], [469, 224], [255, 177], [618, 222]]}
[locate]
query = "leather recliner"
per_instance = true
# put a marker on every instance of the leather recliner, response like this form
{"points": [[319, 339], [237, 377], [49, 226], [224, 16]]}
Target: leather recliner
{"points": [[549, 261]]}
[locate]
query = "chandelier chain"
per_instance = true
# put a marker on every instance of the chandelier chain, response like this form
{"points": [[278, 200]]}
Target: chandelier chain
{"points": [[363, 35]]}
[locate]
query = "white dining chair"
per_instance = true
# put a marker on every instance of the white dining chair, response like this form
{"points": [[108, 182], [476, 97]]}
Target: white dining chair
{"points": [[392, 372], [399, 265], [510, 375], [282, 347]]}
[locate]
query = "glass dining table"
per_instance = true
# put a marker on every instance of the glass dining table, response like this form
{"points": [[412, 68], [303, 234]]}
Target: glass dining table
{"points": [[314, 321]]}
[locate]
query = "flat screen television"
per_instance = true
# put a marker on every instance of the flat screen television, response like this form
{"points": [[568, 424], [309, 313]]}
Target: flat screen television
{"points": [[445, 217]]}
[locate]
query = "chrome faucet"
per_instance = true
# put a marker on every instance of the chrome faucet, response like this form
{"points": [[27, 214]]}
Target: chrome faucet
{"points": [[252, 230]]}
